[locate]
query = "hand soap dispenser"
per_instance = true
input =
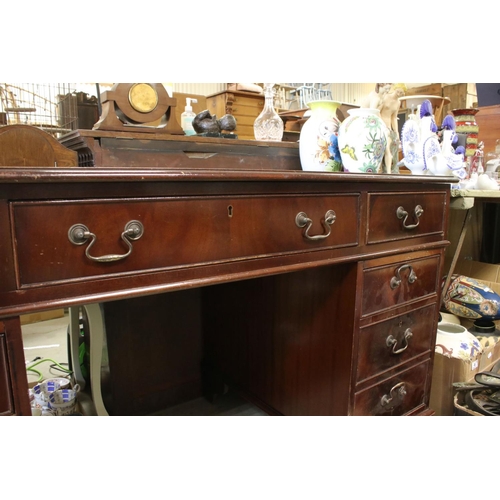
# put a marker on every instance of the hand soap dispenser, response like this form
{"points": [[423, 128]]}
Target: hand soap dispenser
{"points": [[187, 117]]}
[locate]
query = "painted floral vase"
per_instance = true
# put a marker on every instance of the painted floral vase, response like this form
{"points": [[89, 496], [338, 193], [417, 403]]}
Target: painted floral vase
{"points": [[465, 121], [455, 341], [318, 148], [362, 140], [471, 299]]}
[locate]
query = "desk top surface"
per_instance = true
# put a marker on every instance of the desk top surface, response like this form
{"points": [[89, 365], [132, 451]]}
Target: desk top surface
{"points": [[31, 175]]}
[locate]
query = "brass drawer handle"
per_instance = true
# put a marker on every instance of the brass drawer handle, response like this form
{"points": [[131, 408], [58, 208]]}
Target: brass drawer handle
{"points": [[395, 396], [303, 220], [403, 214], [393, 342], [396, 279], [79, 234]]}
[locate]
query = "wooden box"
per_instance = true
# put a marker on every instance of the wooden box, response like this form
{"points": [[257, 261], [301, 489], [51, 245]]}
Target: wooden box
{"points": [[244, 106], [108, 149]]}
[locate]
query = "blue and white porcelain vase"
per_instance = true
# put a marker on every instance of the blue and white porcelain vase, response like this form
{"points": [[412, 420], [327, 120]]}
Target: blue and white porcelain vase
{"points": [[362, 140], [318, 138]]}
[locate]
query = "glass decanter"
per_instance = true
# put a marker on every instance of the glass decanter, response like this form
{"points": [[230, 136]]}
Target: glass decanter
{"points": [[268, 126]]}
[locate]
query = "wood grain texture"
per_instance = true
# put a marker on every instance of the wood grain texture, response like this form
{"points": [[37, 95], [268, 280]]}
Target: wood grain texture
{"points": [[488, 121], [28, 146], [224, 289]]}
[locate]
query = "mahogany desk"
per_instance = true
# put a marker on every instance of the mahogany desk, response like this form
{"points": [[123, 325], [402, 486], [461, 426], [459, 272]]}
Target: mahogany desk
{"points": [[311, 293]]}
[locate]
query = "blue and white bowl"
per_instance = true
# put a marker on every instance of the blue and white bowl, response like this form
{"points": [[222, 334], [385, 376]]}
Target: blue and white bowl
{"points": [[63, 401], [43, 391]]}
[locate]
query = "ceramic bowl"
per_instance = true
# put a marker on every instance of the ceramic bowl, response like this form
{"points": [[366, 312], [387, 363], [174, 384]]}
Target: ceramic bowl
{"points": [[63, 401], [64, 383], [455, 341], [43, 390]]}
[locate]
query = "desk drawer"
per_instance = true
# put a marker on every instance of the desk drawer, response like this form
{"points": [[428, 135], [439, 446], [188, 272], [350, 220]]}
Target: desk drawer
{"points": [[388, 344], [402, 281], [177, 232], [395, 396], [399, 216]]}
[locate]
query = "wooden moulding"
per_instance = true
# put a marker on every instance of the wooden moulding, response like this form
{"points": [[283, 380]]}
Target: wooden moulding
{"points": [[147, 150]]}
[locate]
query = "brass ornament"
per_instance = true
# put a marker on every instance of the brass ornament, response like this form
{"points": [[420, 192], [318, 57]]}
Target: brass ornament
{"points": [[143, 97]]}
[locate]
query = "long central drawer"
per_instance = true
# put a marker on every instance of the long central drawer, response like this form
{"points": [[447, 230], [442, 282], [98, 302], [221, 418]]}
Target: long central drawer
{"points": [[176, 232]]}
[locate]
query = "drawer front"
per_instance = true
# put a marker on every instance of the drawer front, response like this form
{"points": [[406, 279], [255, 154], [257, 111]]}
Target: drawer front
{"points": [[246, 106], [388, 344], [245, 131], [399, 216], [395, 396], [245, 123], [400, 282], [177, 232]]}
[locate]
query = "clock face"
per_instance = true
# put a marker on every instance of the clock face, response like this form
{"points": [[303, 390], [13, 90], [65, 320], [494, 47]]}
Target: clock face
{"points": [[143, 97]]}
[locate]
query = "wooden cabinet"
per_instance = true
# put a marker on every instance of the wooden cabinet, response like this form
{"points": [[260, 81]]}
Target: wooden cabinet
{"points": [[488, 121], [244, 106]]}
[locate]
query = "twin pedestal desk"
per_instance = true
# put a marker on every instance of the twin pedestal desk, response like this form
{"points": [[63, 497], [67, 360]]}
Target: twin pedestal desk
{"points": [[308, 293]]}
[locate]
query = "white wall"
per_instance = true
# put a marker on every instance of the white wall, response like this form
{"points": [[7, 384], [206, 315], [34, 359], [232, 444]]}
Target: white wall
{"points": [[196, 88], [350, 93]]}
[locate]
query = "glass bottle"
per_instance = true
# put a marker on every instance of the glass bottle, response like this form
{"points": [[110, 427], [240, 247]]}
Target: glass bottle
{"points": [[268, 126]]}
